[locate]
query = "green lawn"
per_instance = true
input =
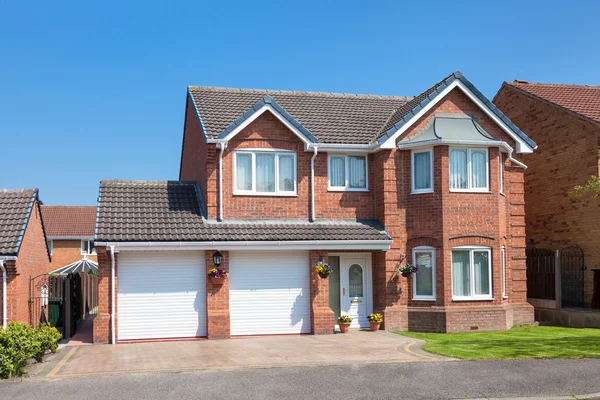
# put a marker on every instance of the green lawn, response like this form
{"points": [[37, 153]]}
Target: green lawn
{"points": [[519, 342]]}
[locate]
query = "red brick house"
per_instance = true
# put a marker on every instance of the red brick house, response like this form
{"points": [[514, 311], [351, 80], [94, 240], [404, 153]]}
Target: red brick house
{"points": [[70, 231], [273, 182], [565, 122], [23, 251]]}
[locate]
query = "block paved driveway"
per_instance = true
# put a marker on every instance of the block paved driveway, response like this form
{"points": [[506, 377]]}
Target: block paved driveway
{"points": [[268, 351]]}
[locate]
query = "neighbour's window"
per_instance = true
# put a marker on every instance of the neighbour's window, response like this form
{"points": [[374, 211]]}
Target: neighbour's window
{"points": [[471, 273], [469, 169], [49, 244], [424, 280], [264, 172], [348, 172], [422, 171], [87, 247]]}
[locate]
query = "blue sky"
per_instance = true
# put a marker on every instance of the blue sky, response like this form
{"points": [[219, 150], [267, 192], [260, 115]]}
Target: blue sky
{"points": [[93, 90]]}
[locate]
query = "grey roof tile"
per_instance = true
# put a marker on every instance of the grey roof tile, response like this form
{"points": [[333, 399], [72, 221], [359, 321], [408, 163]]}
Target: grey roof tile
{"points": [[15, 209], [163, 211]]}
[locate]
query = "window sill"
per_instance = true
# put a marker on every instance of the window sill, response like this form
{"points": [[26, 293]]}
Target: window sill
{"points": [[266, 194], [472, 299], [346, 190], [423, 299], [422, 191], [470, 191]]}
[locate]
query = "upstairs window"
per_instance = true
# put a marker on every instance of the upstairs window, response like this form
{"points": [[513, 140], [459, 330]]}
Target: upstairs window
{"points": [[422, 171], [261, 172], [87, 248], [348, 172], [469, 170]]}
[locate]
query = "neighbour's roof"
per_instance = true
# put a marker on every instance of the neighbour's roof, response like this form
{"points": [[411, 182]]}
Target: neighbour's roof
{"points": [[326, 118], [69, 221], [584, 101], [169, 211], [15, 210], [82, 266]]}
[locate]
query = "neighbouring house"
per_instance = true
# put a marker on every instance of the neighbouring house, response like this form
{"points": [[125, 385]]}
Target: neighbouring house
{"points": [[70, 231], [274, 182], [23, 251], [565, 122]]}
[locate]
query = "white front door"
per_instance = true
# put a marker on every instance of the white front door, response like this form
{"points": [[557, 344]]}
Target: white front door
{"points": [[355, 280]]}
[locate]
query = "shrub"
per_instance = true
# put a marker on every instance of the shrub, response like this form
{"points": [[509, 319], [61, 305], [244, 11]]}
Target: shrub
{"points": [[47, 338], [19, 343]]}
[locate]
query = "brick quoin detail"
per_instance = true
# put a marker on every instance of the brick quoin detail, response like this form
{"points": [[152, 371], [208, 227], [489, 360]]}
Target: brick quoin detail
{"points": [[217, 300]]}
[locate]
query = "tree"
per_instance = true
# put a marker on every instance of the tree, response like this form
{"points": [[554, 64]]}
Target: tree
{"points": [[592, 186]]}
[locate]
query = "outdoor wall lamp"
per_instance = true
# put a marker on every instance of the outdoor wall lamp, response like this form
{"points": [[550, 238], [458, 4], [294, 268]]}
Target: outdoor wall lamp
{"points": [[217, 258]]}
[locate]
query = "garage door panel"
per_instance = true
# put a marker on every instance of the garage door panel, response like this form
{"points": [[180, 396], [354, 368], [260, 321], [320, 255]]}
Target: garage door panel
{"points": [[161, 295], [269, 293]]}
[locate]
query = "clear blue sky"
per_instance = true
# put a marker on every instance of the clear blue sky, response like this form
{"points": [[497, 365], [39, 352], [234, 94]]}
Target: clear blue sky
{"points": [[92, 90]]}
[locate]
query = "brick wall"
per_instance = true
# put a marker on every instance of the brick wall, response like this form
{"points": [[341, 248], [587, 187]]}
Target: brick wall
{"points": [[567, 155], [217, 300], [65, 252], [321, 316], [32, 260], [102, 320]]}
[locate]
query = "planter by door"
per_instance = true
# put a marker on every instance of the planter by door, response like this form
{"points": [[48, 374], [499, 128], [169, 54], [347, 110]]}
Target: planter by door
{"points": [[375, 325], [344, 328]]}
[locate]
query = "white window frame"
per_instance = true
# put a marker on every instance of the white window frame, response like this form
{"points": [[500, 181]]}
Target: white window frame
{"points": [[277, 153], [423, 249], [501, 171], [413, 170], [50, 244], [469, 188], [473, 296], [89, 243], [503, 256], [346, 188]]}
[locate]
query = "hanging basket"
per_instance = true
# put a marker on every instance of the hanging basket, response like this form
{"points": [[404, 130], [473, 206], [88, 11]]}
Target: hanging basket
{"points": [[406, 274], [323, 276], [216, 281]]}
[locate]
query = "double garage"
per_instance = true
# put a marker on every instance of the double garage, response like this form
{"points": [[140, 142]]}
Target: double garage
{"points": [[163, 294]]}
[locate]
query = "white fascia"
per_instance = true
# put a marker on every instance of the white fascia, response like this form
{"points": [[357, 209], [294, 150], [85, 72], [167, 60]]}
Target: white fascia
{"points": [[70, 238], [522, 147], [252, 245], [258, 113]]}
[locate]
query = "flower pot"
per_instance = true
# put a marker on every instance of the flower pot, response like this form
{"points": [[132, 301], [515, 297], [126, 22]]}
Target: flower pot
{"points": [[324, 276], [344, 327], [406, 274], [375, 325], [216, 281]]}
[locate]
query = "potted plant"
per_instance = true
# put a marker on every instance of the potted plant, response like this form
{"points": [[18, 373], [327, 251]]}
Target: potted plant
{"points": [[217, 276], [375, 321], [344, 322], [323, 269], [407, 270]]}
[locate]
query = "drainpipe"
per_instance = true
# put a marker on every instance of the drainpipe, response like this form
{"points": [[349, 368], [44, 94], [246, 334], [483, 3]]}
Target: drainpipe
{"points": [[4, 296], [312, 184], [112, 293], [223, 145], [510, 157]]}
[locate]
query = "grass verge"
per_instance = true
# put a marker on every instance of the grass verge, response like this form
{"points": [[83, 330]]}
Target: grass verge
{"points": [[519, 342]]}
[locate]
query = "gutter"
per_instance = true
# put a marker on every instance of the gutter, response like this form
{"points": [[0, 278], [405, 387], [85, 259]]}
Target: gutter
{"points": [[312, 184], [383, 244], [4, 294], [222, 145]]}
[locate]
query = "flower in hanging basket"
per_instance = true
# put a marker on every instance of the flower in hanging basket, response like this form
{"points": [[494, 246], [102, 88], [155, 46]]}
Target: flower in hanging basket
{"points": [[217, 273], [407, 270], [323, 269]]}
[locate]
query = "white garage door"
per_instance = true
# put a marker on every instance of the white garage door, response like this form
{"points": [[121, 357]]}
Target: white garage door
{"points": [[161, 295], [269, 292]]}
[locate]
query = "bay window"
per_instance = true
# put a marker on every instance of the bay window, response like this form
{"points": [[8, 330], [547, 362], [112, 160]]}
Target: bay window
{"points": [[422, 171], [268, 172], [347, 172], [423, 258], [469, 169], [471, 273]]}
